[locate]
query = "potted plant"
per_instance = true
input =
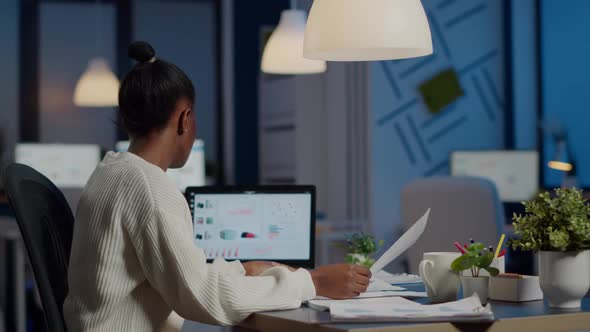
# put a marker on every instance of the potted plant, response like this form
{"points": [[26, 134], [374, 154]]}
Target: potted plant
{"points": [[361, 248], [475, 259], [558, 228]]}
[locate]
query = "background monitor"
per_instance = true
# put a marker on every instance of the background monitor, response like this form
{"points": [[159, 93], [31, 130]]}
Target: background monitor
{"points": [[515, 173], [255, 223], [66, 165], [192, 174]]}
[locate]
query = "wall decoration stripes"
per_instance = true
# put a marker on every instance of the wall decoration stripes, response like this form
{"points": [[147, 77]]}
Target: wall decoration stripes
{"points": [[408, 141]]}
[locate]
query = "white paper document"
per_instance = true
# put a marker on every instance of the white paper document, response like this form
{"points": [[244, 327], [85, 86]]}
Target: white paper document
{"points": [[402, 244], [397, 309], [397, 279], [324, 303], [377, 288], [377, 285]]}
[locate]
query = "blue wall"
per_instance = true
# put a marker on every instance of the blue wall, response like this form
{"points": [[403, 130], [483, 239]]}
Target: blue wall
{"points": [[409, 142], [402, 144], [565, 52], [524, 73]]}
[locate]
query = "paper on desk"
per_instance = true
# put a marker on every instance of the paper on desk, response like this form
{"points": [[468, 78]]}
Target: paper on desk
{"points": [[377, 285], [402, 244], [397, 309], [397, 279], [323, 303]]}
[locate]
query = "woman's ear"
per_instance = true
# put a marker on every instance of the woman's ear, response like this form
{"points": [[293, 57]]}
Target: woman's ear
{"points": [[183, 121]]}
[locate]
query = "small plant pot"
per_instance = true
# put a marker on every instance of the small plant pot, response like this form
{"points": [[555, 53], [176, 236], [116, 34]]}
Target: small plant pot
{"points": [[564, 277], [476, 285]]}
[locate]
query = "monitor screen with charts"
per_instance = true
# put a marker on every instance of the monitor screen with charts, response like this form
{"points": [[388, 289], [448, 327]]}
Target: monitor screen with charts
{"points": [[192, 174], [255, 223], [66, 165], [515, 173]]}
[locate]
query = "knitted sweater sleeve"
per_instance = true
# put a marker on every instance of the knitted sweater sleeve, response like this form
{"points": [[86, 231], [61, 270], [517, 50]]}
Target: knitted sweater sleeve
{"points": [[218, 293]]}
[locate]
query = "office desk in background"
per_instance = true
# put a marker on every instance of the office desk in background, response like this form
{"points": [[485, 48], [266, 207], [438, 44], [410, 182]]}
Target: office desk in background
{"points": [[527, 316]]}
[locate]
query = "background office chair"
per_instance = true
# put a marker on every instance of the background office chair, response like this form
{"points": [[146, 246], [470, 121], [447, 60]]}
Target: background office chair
{"points": [[462, 208], [46, 223]]}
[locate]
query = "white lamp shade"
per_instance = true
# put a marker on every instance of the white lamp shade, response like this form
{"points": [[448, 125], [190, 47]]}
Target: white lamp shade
{"points": [[283, 53], [367, 30], [98, 86]]}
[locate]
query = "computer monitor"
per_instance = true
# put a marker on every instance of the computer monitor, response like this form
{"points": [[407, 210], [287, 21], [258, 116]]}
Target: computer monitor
{"points": [[66, 165], [255, 223], [515, 173], [192, 174]]}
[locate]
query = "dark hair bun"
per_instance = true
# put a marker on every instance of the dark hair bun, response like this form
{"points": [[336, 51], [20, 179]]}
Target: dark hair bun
{"points": [[141, 51]]}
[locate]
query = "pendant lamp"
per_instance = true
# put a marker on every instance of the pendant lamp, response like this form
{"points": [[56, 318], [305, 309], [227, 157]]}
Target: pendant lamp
{"points": [[283, 53], [98, 86], [367, 30]]}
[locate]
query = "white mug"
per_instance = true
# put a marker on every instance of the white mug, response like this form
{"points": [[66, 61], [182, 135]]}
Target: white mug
{"points": [[442, 283]]}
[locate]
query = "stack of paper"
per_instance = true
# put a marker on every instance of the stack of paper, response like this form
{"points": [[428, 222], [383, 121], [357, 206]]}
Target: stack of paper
{"points": [[377, 285], [398, 279], [397, 309], [324, 303]]}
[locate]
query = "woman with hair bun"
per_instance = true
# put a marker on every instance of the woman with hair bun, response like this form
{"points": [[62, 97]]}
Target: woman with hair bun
{"points": [[133, 262]]}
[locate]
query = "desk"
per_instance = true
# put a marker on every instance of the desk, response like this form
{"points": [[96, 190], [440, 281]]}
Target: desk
{"points": [[528, 316]]}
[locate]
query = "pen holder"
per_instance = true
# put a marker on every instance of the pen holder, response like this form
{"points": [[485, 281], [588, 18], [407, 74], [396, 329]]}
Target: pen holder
{"points": [[498, 263]]}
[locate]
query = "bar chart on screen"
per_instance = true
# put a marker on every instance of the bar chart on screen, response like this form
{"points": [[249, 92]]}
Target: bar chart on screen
{"points": [[252, 226]]}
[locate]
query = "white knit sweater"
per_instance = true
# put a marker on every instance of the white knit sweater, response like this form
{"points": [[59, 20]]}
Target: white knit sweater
{"points": [[133, 260]]}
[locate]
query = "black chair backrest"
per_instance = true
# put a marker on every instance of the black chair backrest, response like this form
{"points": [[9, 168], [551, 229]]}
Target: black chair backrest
{"points": [[46, 223]]}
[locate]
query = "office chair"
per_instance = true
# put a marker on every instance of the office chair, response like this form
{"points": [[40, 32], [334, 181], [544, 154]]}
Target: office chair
{"points": [[461, 208], [46, 224]]}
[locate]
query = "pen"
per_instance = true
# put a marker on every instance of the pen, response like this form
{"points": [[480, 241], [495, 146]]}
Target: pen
{"points": [[502, 253], [459, 247], [500, 243]]}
